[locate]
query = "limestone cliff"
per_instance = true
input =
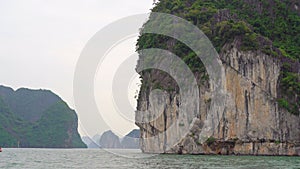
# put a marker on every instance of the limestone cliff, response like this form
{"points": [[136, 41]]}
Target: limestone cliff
{"points": [[254, 121]]}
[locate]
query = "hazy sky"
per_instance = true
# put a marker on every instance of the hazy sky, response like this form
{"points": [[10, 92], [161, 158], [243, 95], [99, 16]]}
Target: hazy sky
{"points": [[41, 40]]}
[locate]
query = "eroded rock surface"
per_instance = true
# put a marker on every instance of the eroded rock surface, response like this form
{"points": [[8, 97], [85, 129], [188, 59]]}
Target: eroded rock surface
{"points": [[252, 122]]}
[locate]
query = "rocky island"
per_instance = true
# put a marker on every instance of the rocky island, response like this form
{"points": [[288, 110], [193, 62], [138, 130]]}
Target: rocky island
{"points": [[258, 45], [36, 119]]}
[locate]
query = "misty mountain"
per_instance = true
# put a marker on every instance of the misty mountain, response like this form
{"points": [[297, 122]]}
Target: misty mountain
{"points": [[110, 140], [131, 140], [37, 119]]}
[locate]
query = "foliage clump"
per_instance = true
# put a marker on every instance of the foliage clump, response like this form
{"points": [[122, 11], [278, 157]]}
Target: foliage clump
{"points": [[210, 141]]}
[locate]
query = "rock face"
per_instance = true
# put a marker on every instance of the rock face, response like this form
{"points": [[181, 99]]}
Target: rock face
{"points": [[36, 119], [252, 121]]}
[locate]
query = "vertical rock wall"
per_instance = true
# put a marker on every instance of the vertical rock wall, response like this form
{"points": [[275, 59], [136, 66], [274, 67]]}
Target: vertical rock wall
{"points": [[251, 123]]}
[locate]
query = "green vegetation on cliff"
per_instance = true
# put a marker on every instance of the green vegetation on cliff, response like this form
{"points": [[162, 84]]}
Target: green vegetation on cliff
{"points": [[268, 26], [36, 119]]}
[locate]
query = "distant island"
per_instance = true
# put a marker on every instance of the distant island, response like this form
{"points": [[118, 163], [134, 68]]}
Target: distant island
{"points": [[110, 140], [36, 119]]}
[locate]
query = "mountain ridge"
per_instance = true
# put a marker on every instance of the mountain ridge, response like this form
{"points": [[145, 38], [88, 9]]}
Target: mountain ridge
{"points": [[110, 140]]}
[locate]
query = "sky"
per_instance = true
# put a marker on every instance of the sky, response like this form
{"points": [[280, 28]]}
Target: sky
{"points": [[41, 41]]}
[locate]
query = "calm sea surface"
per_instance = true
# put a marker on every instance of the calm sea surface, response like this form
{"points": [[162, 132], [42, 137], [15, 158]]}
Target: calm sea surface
{"points": [[132, 159]]}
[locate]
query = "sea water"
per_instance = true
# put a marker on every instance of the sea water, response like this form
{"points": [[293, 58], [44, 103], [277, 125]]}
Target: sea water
{"points": [[133, 159]]}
